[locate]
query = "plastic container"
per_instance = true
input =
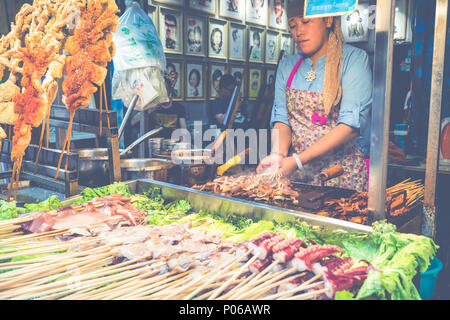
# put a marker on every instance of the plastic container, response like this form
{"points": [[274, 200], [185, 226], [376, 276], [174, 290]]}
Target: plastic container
{"points": [[428, 279]]}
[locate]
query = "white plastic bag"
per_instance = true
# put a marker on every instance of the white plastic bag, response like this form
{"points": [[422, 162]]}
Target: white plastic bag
{"points": [[148, 83], [139, 61], [137, 41]]}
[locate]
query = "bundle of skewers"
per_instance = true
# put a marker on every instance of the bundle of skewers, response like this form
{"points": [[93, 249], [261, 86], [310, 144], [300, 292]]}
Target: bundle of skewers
{"points": [[400, 199], [176, 261]]}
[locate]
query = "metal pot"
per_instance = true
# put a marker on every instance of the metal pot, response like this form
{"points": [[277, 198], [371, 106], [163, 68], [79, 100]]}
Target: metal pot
{"points": [[93, 163], [196, 166], [93, 166], [154, 169]]}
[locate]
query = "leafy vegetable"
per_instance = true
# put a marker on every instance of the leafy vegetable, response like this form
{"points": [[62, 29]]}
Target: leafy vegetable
{"points": [[343, 295], [154, 193], [398, 257], [114, 188], [51, 203], [8, 210], [354, 244], [253, 230]]}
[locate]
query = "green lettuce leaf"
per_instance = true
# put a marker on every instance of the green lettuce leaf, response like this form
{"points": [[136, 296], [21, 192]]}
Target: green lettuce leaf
{"points": [[51, 203], [8, 210]]}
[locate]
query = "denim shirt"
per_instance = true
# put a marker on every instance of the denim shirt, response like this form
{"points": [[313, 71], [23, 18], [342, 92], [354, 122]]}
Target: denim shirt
{"points": [[356, 81]]}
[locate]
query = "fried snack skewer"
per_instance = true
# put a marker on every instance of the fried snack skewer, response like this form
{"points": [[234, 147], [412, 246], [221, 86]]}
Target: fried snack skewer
{"points": [[90, 49]]}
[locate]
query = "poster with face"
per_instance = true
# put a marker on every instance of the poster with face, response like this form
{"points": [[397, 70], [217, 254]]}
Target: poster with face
{"points": [[277, 14], [254, 82], [174, 73], [255, 45], [208, 6], [217, 39], [232, 9], [355, 25], [216, 73], [170, 30], [270, 77], [238, 74], [271, 47], [194, 81], [257, 11], [286, 44], [194, 33], [237, 42]]}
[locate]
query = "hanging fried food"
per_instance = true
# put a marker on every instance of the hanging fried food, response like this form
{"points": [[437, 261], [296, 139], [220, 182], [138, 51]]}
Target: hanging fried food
{"points": [[8, 91], [34, 43], [90, 48]]}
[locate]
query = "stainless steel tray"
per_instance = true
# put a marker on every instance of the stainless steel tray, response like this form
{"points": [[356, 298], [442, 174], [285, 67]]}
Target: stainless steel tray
{"points": [[223, 206]]}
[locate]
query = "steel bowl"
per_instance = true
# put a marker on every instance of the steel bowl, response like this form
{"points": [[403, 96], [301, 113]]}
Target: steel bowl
{"points": [[154, 169]]}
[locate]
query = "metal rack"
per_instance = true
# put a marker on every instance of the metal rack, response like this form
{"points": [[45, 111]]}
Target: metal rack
{"points": [[43, 172]]}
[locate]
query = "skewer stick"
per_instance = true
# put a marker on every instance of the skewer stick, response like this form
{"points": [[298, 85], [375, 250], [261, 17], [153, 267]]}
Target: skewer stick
{"points": [[62, 292], [289, 293], [18, 240], [101, 109], [202, 297], [88, 277], [150, 282], [266, 286], [233, 291], [106, 105], [14, 170], [125, 266], [165, 290], [220, 271], [233, 277], [66, 285], [303, 286], [64, 145], [54, 261], [120, 289], [263, 272], [250, 282], [42, 285], [16, 186], [158, 287], [99, 292], [187, 286], [309, 295]]}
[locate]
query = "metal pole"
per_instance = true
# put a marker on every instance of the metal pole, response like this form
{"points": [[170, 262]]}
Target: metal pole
{"points": [[434, 125], [128, 114], [381, 107]]}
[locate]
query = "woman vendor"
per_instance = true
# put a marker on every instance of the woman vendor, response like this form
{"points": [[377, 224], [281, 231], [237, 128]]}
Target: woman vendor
{"points": [[322, 106]]}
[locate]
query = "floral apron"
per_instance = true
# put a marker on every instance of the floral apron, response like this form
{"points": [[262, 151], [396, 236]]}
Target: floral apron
{"points": [[309, 123]]}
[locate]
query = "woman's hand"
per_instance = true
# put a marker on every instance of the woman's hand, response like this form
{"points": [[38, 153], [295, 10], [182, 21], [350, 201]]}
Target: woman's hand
{"points": [[271, 162], [287, 166]]}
